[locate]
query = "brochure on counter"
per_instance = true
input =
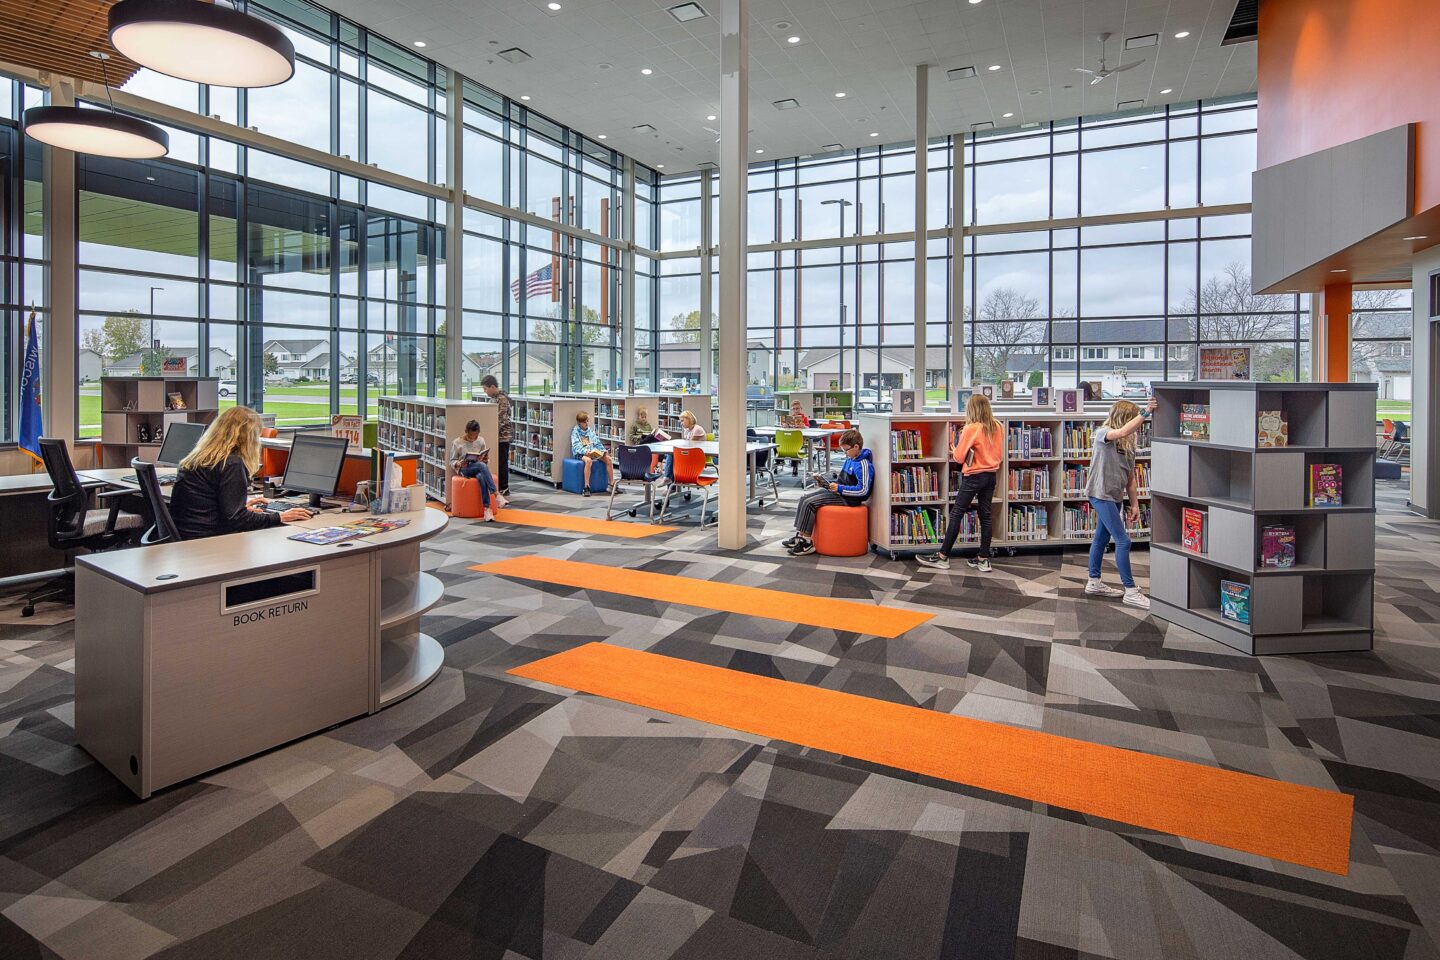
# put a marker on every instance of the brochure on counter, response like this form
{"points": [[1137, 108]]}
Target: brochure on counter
{"points": [[325, 536]]}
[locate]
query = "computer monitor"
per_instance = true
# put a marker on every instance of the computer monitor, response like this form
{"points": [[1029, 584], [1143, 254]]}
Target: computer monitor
{"points": [[180, 439], [314, 465]]}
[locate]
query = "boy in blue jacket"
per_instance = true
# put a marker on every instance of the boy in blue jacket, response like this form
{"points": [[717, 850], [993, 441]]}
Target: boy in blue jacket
{"points": [[851, 488]]}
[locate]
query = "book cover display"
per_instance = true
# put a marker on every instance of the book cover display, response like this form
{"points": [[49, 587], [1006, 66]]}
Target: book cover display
{"points": [[1007, 389], [1195, 421], [906, 401], [984, 389], [1069, 400], [1235, 601], [1224, 363], [1094, 389], [1277, 546], [1326, 485], [1273, 428], [1041, 396], [1192, 530]]}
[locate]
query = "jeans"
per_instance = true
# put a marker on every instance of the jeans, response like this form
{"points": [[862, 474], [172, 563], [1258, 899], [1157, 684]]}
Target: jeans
{"points": [[1111, 524], [978, 489], [504, 452], [480, 472]]}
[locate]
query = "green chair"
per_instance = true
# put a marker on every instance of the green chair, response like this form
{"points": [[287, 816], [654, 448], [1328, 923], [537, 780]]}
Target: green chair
{"points": [[790, 446]]}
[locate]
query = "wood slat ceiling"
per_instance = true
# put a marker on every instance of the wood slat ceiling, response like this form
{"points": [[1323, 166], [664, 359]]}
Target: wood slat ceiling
{"points": [[58, 35]]}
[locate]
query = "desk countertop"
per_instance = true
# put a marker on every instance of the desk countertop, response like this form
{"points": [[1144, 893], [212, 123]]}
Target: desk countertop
{"points": [[193, 562], [711, 448]]}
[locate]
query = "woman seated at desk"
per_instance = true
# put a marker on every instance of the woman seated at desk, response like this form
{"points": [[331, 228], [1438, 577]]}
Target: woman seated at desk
{"points": [[211, 492]]}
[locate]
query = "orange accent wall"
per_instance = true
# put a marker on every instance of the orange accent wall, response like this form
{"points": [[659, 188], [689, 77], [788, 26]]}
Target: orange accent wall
{"points": [[1336, 301], [1332, 71]]}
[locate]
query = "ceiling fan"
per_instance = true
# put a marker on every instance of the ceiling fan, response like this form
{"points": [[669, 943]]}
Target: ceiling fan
{"points": [[1105, 72]]}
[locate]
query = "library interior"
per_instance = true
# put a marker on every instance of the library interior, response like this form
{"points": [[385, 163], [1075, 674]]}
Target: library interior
{"points": [[719, 479]]}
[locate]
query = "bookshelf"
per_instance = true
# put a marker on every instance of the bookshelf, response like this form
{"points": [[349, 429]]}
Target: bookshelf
{"points": [[1324, 600], [615, 412], [1039, 490], [135, 407], [666, 408], [818, 404], [425, 426], [542, 434]]}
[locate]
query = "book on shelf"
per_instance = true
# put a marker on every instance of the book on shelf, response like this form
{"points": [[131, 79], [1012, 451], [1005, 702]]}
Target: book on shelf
{"points": [[1028, 523], [1029, 442], [1040, 396], [1272, 428], [1195, 421], [1078, 437], [914, 526], [1142, 477], [1326, 485], [1068, 400], [1007, 389], [1192, 530], [1075, 477], [914, 483], [906, 445], [1277, 546], [1235, 601]]}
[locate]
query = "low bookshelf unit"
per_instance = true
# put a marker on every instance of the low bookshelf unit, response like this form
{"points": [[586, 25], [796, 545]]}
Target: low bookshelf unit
{"points": [[1264, 514], [425, 426], [542, 434], [135, 412], [1039, 490], [819, 405]]}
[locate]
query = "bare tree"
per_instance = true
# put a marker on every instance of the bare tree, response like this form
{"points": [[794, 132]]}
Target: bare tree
{"points": [[1009, 336], [1376, 314], [1230, 312]]}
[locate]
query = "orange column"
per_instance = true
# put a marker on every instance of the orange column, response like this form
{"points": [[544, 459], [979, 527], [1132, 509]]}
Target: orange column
{"points": [[1334, 333]]}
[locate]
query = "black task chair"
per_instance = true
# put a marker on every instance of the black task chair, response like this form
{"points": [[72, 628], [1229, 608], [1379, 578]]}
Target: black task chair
{"points": [[764, 465], [163, 529], [634, 467], [73, 525]]}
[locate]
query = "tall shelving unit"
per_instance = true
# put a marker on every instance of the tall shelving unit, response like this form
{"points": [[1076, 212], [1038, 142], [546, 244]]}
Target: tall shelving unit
{"points": [[669, 406], [916, 480], [425, 426], [1325, 600], [542, 434], [818, 404], [129, 403]]}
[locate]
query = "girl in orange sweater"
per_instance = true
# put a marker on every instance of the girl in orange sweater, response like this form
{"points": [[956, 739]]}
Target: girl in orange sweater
{"points": [[979, 451]]}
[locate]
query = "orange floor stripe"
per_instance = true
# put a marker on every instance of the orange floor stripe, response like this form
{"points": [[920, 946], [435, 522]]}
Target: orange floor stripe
{"points": [[849, 615], [1283, 821], [567, 521]]}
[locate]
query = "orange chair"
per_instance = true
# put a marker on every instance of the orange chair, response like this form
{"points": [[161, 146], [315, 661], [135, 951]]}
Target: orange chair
{"points": [[272, 462], [464, 497], [689, 473], [842, 531]]}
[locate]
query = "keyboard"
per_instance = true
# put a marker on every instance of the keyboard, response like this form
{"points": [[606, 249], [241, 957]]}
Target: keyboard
{"points": [[280, 506]]}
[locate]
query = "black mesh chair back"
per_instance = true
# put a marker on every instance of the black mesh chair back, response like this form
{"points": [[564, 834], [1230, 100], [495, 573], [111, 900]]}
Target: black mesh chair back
{"points": [[634, 463], [163, 530], [762, 459], [68, 500]]}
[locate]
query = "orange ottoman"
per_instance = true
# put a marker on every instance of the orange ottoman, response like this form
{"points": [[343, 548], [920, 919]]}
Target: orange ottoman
{"points": [[465, 497], [842, 531]]}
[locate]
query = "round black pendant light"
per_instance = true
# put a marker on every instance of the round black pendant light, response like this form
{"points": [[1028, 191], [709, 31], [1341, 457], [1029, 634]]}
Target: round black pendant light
{"points": [[99, 132], [202, 42]]}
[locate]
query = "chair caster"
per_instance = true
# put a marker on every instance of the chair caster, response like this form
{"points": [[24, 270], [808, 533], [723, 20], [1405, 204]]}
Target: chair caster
{"points": [[687, 494], [632, 513], [28, 610]]}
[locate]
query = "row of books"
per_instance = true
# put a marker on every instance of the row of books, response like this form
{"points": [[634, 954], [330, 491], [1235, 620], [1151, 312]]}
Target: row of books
{"points": [[1073, 479], [1083, 520], [1077, 437], [907, 445], [1026, 442], [914, 483], [610, 408], [540, 441], [531, 462], [407, 417], [1027, 523], [537, 413], [1272, 427], [916, 526], [1028, 483], [1142, 476]]}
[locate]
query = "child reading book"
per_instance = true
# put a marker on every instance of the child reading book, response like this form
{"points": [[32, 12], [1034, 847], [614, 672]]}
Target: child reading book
{"points": [[850, 489], [469, 455]]}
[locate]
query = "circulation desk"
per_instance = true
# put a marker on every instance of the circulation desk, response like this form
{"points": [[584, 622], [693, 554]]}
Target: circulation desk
{"points": [[193, 655]]}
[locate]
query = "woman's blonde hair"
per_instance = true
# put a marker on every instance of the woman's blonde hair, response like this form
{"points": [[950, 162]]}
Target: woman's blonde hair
{"points": [[1120, 414], [978, 410], [687, 415], [235, 432]]}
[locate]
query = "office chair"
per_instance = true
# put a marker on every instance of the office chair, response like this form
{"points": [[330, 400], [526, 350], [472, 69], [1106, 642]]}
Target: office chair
{"points": [[764, 465], [72, 525], [635, 467], [1400, 444], [163, 530], [790, 448], [689, 463]]}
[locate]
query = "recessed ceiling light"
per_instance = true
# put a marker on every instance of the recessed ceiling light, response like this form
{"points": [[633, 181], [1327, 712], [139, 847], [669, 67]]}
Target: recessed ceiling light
{"points": [[659, 166], [553, 6], [974, 1], [1421, 237], [1182, 34], [1341, 270], [152, 180], [789, 103], [1008, 115], [710, 116], [686, 12], [759, 149], [839, 94], [646, 71], [1165, 91], [420, 43], [603, 137], [792, 39], [876, 134], [524, 96], [994, 66]]}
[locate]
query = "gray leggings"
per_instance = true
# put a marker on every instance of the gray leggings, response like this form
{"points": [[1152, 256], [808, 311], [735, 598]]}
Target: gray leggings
{"points": [[810, 505]]}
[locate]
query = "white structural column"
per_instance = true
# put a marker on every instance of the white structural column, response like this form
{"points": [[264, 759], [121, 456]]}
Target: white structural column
{"points": [[922, 183], [627, 278], [958, 379], [454, 238], [734, 148], [706, 337], [58, 350]]}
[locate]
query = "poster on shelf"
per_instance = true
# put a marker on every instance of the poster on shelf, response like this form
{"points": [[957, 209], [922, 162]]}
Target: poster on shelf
{"points": [[1041, 396], [906, 401], [349, 426], [174, 366], [1224, 363], [1069, 400]]}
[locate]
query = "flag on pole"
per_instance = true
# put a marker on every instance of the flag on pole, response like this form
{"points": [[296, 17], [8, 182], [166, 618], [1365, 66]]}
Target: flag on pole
{"points": [[30, 421], [536, 284]]}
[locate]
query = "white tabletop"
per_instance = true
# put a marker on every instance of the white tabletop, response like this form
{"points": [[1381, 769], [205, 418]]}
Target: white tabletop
{"points": [[711, 448], [809, 433]]}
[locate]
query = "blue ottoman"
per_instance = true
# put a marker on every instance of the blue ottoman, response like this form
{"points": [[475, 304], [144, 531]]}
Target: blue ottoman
{"points": [[573, 475], [1387, 469]]}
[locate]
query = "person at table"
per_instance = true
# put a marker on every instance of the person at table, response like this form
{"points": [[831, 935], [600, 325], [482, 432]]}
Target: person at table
{"points": [[211, 492], [585, 443], [470, 455], [850, 489], [796, 417], [643, 431], [690, 430]]}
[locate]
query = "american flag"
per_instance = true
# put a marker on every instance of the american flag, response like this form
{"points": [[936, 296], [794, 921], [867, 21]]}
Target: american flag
{"points": [[536, 284]]}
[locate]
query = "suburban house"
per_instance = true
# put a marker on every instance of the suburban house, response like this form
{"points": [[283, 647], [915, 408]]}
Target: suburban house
{"points": [[299, 358], [222, 363], [90, 364]]}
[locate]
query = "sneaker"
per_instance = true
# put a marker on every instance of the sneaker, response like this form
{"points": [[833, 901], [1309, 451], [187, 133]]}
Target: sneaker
{"points": [[936, 560], [586, 493], [1097, 589], [1134, 598], [802, 548], [981, 564], [790, 542]]}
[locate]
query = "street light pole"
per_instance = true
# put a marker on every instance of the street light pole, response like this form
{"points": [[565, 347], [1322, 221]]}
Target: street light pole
{"points": [[152, 325], [843, 203]]}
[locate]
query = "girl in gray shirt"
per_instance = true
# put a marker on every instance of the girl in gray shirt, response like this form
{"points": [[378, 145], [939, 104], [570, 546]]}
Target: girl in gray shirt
{"points": [[1110, 483]]}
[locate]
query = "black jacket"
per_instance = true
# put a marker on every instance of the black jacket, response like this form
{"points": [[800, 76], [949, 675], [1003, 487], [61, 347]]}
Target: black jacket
{"points": [[211, 501]]}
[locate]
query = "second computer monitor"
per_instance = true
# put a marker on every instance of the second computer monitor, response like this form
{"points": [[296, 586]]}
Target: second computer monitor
{"points": [[314, 465], [180, 439]]}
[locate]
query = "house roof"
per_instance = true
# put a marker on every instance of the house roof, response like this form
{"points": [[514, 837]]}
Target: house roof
{"points": [[294, 346]]}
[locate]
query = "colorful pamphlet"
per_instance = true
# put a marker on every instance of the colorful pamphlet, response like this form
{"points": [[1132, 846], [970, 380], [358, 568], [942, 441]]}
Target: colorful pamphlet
{"points": [[1326, 485], [1235, 601], [1195, 421], [374, 525], [1192, 530], [324, 536], [1273, 428], [1277, 546]]}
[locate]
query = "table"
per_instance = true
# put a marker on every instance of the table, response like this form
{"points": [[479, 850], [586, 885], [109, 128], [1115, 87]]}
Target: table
{"points": [[753, 449], [811, 435]]}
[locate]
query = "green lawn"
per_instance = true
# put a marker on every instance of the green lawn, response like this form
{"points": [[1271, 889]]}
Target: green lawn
{"points": [[1393, 409]]}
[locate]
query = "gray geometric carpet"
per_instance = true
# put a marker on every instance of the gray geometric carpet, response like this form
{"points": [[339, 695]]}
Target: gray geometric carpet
{"points": [[492, 817]]}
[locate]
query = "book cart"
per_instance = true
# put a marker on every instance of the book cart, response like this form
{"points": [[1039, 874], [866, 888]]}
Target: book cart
{"points": [[542, 428], [1243, 496], [1039, 489], [425, 426]]}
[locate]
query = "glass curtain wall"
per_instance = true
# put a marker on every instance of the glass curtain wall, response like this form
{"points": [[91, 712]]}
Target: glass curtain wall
{"points": [[22, 246]]}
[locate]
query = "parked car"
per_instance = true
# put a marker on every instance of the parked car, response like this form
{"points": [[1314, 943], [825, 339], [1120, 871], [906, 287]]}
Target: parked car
{"points": [[1135, 388], [228, 388], [672, 383]]}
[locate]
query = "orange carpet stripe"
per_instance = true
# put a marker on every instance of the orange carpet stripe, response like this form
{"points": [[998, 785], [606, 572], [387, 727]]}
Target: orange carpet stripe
{"points": [[849, 615], [1270, 818], [566, 521]]}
